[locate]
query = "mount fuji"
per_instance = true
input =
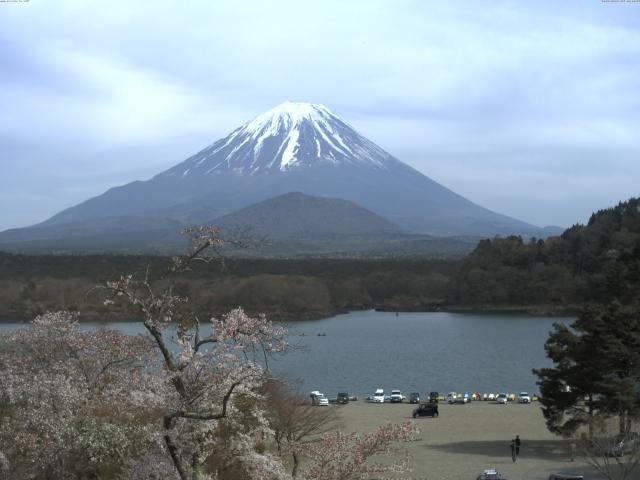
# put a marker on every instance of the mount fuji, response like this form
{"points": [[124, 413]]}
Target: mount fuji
{"points": [[295, 147]]}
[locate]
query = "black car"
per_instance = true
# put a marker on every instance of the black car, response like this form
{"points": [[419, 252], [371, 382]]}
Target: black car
{"points": [[414, 398], [433, 397], [426, 410], [343, 397]]}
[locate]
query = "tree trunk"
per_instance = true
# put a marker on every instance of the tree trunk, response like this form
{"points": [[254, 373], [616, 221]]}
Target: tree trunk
{"points": [[296, 462], [194, 467], [590, 416], [173, 451], [622, 423]]}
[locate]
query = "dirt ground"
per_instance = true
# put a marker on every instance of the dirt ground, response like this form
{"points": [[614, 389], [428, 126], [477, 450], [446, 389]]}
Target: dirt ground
{"points": [[466, 439]]}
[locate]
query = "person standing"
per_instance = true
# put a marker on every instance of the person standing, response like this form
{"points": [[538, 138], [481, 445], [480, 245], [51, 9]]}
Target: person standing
{"points": [[572, 450], [513, 450], [517, 442]]}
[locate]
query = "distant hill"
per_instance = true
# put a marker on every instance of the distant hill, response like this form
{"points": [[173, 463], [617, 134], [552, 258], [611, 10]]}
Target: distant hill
{"points": [[299, 225], [296, 215], [587, 263]]}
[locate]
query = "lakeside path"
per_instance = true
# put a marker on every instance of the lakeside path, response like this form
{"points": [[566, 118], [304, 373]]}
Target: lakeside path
{"points": [[466, 439]]}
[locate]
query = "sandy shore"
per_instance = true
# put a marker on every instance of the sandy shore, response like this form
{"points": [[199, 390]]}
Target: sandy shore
{"points": [[466, 439]]}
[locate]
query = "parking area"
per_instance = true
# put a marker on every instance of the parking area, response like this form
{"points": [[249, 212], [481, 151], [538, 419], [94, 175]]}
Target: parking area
{"points": [[465, 439]]}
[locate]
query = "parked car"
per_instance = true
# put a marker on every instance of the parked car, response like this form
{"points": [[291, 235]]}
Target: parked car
{"points": [[502, 399], [433, 397], [426, 410], [454, 397], [624, 444], [491, 474], [565, 476], [396, 396], [378, 396], [524, 397], [343, 397], [491, 397], [414, 397], [319, 399]]}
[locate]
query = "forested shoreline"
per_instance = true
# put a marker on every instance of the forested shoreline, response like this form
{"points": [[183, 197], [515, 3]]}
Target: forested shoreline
{"points": [[284, 289], [586, 264]]}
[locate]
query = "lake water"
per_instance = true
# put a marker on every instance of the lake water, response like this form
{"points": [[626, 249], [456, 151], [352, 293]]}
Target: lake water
{"points": [[416, 352]]}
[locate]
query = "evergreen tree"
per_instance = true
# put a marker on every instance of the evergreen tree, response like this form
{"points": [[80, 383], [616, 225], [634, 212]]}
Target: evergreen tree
{"points": [[568, 390], [619, 353], [597, 369]]}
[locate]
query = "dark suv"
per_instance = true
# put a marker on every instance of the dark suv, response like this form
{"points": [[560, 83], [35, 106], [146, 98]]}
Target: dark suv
{"points": [[426, 410], [414, 398], [433, 397], [343, 398]]}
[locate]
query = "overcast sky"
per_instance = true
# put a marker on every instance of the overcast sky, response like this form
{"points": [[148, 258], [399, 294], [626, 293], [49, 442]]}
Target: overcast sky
{"points": [[531, 109]]}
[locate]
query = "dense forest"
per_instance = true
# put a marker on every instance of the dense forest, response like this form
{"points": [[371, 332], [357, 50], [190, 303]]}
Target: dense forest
{"points": [[300, 288], [587, 263]]}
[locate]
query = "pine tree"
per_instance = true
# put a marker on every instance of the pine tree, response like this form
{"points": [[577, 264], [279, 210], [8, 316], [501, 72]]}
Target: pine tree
{"points": [[619, 352], [597, 369], [568, 390]]}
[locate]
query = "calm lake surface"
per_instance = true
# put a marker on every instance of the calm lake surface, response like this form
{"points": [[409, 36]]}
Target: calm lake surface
{"points": [[416, 352]]}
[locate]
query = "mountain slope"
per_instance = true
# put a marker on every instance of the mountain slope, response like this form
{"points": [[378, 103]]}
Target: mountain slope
{"points": [[124, 233], [295, 147]]}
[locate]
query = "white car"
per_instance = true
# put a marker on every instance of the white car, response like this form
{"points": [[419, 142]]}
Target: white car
{"points": [[524, 397], [396, 396], [454, 397], [491, 474], [378, 396], [319, 399], [502, 399]]}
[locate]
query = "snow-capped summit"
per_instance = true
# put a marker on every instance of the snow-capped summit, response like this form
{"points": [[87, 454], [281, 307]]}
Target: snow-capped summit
{"points": [[292, 112], [289, 136]]}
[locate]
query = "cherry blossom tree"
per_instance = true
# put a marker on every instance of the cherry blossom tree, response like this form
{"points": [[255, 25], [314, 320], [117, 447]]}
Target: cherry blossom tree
{"points": [[73, 402], [211, 419], [293, 420], [350, 456]]}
